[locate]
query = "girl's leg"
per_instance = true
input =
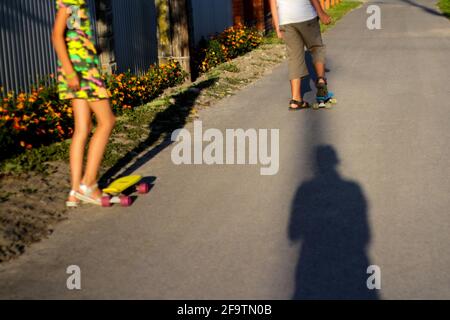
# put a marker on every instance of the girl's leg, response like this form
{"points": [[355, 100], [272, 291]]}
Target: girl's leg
{"points": [[105, 124], [83, 125]]}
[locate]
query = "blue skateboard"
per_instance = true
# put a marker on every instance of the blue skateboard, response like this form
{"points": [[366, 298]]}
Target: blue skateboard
{"points": [[325, 102]]}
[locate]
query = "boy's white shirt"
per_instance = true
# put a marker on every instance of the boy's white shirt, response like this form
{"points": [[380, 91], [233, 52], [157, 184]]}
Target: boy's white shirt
{"points": [[295, 11]]}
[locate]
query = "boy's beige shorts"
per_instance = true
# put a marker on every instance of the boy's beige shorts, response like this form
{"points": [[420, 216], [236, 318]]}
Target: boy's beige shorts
{"points": [[298, 36]]}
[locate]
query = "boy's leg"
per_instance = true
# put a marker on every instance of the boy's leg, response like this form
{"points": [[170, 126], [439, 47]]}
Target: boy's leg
{"points": [[105, 124], [296, 58], [320, 71], [83, 126], [310, 31], [296, 89]]}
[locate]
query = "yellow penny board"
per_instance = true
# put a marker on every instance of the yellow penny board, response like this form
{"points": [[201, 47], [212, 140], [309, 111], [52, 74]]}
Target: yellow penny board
{"points": [[122, 184]]}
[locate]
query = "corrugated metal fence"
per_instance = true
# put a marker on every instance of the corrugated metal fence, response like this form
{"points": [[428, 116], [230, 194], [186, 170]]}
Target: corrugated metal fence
{"points": [[210, 17], [26, 52], [27, 55], [135, 35]]}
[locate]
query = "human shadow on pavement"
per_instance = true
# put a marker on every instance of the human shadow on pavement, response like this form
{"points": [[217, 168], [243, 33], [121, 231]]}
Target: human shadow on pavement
{"points": [[160, 129], [330, 219]]}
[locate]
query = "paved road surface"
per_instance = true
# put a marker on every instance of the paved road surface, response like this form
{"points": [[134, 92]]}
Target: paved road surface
{"points": [[228, 232]]}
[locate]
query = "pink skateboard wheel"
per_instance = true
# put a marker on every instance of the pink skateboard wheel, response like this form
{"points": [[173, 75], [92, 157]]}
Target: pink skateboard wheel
{"points": [[106, 202], [143, 188], [126, 201]]}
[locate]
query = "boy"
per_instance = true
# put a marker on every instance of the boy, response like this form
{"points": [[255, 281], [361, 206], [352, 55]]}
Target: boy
{"points": [[297, 22]]}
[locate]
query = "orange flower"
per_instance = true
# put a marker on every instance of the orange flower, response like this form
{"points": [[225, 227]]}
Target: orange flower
{"points": [[21, 98]]}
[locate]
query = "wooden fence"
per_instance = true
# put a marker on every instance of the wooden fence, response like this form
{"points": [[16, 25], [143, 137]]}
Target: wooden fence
{"points": [[327, 4], [257, 12]]}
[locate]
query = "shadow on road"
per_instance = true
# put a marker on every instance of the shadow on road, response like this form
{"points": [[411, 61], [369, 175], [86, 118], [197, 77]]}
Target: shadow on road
{"points": [[160, 131], [426, 9], [330, 219]]}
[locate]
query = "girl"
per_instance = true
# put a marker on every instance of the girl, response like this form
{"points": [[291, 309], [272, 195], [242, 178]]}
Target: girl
{"points": [[79, 80]]}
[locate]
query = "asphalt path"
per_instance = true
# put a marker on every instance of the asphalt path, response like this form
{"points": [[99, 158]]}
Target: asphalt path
{"points": [[364, 184]]}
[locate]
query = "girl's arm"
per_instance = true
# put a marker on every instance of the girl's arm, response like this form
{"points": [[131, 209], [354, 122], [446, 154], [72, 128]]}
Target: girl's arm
{"points": [[275, 17], [323, 16], [59, 43]]}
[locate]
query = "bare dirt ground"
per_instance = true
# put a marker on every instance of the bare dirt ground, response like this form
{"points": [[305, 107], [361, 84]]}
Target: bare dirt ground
{"points": [[32, 204]]}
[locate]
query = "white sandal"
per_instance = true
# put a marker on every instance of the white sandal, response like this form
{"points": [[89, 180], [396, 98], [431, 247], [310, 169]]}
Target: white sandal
{"points": [[72, 204], [86, 196]]}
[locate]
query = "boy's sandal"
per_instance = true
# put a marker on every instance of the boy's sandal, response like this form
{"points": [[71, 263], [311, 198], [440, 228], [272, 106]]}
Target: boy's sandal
{"points": [[72, 204], [86, 196], [300, 105]]}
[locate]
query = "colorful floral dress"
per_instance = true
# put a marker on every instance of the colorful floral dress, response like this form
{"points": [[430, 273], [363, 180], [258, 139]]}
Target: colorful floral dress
{"points": [[82, 53]]}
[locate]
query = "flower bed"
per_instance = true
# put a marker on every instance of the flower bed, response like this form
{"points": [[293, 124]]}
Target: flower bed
{"points": [[30, 120], [229, 44], [129, 91]]}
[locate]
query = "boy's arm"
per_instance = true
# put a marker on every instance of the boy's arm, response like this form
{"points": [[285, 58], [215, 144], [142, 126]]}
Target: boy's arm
{"points": [[275, 17], [323, 16]]}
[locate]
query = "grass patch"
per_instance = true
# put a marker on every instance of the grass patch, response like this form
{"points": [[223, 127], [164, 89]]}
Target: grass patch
{"points": [[339, 11], [233, 81], [444, 6], [230, 67], [36, 159], [272, 38]]}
